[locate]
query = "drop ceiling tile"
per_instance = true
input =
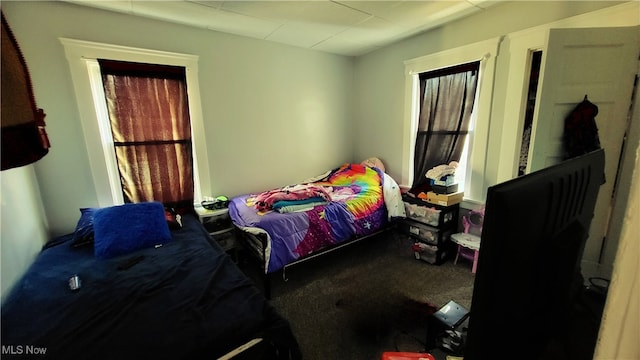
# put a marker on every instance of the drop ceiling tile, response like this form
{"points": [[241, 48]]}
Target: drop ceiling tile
{"points": [[203, 16], [376, 8], [302, 23], [328, 12], [123, 6], [212, 4], [446, 15], [373, 30], [344, 46], [316, 22], [483, 4], [242, 25], [303, 34], [277, 11], [412, 14], [179, 11]]}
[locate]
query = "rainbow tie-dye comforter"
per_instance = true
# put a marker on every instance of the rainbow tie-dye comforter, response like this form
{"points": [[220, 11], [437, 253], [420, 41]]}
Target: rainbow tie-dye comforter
{"points": [[346, 203]]}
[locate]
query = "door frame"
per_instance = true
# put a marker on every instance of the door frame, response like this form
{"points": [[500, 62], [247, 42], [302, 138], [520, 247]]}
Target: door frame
{"points": [[518, 47]]}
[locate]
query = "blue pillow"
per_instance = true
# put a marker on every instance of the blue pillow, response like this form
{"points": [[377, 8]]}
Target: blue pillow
{"points": [[83, 234], [121, 229]]}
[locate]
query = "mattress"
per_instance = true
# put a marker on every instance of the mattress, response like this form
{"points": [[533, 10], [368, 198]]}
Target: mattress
{"points": [[185, 299], [351, 201]]}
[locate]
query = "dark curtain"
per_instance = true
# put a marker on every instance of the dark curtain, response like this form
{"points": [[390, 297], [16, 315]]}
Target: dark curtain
{"points": [[24, 139], [445, 114], [149, 116]]}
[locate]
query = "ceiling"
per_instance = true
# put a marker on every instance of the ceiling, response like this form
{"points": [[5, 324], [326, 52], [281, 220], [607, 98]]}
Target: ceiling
{"points": [[348, 28]]}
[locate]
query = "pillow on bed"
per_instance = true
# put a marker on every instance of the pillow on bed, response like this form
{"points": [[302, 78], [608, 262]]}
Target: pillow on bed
{"points": [[121, 229], [83, 234]]}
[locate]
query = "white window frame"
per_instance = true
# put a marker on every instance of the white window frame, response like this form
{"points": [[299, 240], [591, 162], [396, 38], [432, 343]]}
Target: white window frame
{"points": [[485, 52], [85, 72]]}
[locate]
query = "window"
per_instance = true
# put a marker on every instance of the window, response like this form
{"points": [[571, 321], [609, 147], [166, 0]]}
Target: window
{"points": [[151, 131], [446, 101], [474, 160], [83, 61]]}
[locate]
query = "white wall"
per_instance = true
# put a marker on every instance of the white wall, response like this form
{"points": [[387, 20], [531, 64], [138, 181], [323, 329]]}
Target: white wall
{"points": [[23, 229], [274, 114], [618, 338]]}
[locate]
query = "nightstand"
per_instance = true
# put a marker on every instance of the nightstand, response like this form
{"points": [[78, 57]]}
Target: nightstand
{"points": [[218, 224]]}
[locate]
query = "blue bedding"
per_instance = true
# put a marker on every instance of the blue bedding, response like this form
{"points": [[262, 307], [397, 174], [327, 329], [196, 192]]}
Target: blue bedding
{"points": [[185, 299]]}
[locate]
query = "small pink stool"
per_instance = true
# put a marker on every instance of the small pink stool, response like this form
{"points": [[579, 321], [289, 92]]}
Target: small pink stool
{"points": [[468, 248]]}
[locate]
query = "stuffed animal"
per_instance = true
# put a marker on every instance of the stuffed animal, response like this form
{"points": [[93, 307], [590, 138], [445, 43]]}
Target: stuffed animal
{"points": [[373, 162]]}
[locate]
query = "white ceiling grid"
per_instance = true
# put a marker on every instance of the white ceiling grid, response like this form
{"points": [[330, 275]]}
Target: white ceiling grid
{"points": [[348, 28]]}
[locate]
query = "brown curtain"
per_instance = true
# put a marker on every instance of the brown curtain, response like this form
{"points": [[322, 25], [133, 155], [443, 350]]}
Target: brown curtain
{"points": [[24, 139], [149, 115], [445, 114]]}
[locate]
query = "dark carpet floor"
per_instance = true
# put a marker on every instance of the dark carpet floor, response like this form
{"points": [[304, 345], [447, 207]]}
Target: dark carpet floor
{"points": [[367, 298]]}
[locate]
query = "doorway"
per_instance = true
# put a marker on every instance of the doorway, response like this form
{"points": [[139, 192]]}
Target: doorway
{"points": [[534, 75], [600, 63]]}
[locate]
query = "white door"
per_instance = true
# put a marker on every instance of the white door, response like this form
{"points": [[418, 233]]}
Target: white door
{"points": [[599, 63]]}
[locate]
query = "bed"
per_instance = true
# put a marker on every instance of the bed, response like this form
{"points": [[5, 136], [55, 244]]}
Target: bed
{"points": [[284, 226], [176, 297]]}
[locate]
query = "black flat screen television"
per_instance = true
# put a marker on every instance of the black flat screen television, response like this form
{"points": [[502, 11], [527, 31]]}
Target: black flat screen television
{"points": [[528, 274]]}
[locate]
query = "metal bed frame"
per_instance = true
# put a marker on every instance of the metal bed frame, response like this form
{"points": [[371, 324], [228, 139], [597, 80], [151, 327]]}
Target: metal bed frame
{"points": [[249, 242]]}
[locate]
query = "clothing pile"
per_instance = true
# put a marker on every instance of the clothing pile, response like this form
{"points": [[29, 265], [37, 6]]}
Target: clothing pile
{"points": [[442, 172]]}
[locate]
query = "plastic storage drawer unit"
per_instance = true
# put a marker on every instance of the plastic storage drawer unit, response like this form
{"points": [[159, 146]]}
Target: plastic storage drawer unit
{"points": [[435, 255], [431, 214], [425, 233]]}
